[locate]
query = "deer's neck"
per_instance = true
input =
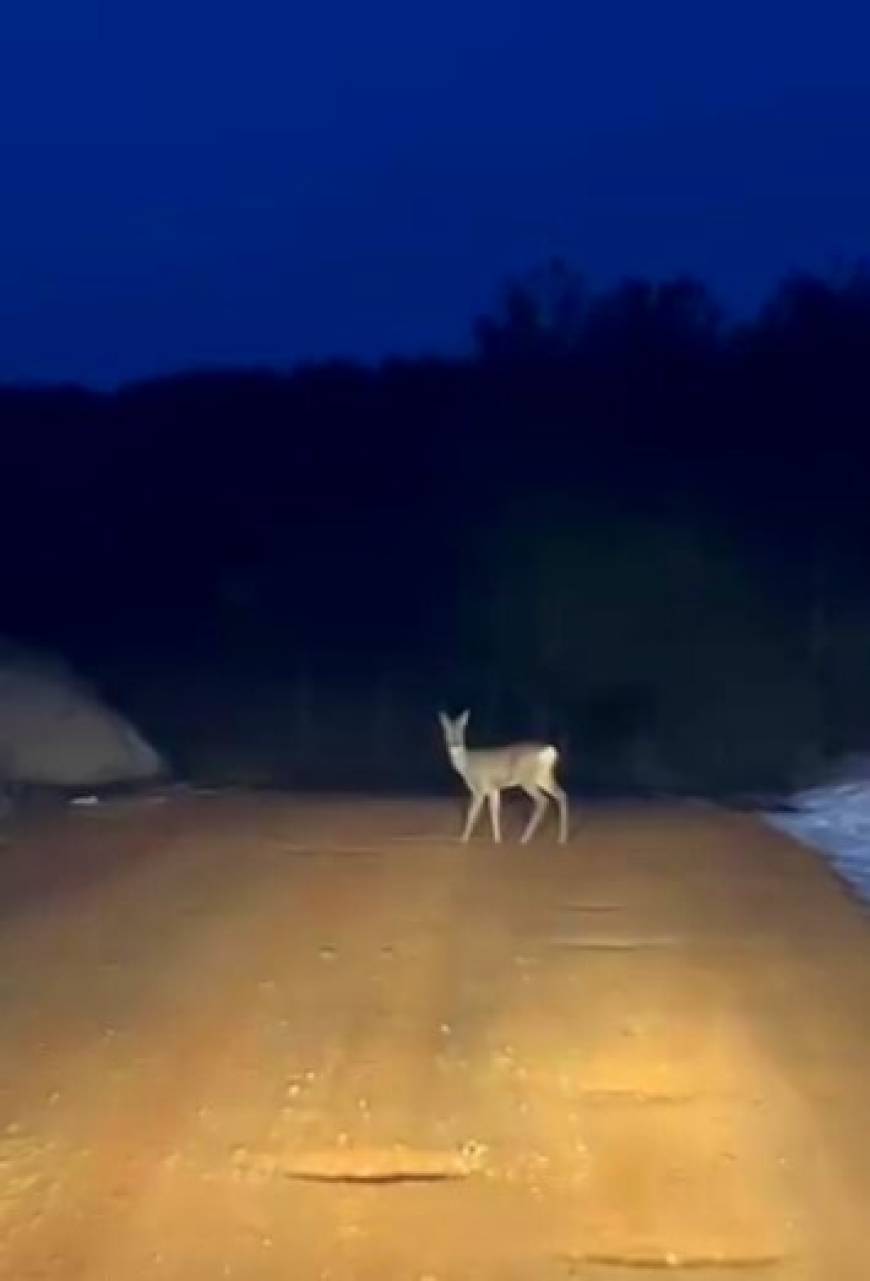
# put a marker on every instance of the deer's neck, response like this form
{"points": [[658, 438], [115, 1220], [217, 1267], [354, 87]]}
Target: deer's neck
{"points": [[458, 759]]}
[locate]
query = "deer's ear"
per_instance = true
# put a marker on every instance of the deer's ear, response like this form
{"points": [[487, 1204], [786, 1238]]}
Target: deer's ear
{"points": [[462, 718], [444, 719]]}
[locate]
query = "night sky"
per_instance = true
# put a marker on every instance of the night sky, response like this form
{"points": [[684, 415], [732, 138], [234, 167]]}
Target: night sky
{"points": [[191, 182]]}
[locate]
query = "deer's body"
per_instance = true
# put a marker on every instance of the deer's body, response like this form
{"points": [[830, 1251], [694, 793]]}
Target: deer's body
{"points": [[488, 772]]}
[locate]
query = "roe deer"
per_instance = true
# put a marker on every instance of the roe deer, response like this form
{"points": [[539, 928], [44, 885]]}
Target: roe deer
{"points": [[487, 772]]}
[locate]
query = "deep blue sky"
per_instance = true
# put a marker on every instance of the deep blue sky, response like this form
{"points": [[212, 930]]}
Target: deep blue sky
{"points": [[187, 182]]}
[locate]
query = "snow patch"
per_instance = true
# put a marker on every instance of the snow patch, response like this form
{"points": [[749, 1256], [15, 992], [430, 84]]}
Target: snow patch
{"points": [[834, 818]]}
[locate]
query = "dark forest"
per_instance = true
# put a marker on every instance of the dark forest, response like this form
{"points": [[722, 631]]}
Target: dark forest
{"points": [[625, 521]]}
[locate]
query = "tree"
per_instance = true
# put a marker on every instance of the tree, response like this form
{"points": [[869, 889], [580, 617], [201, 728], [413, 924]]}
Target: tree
{"points": [[541, 315]]}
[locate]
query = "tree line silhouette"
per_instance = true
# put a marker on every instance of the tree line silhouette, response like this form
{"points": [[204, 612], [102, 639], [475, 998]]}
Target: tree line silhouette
{"points": [[624, 521]]}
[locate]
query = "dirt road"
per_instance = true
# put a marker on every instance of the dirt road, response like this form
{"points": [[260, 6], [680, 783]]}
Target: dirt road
{"points": [[261, 1038]]}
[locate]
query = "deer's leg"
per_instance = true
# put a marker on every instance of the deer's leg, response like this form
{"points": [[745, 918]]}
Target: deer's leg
{"points": [[540, 802], [474, 805], [561, 798], [494, 799]]}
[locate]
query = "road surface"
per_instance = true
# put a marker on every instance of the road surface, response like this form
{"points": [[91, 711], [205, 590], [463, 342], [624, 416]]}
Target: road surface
{"points": [[261, 1037]]}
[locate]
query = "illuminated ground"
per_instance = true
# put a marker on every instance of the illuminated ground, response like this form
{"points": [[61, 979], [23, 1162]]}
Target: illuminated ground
{"points": [[255, 1038]]}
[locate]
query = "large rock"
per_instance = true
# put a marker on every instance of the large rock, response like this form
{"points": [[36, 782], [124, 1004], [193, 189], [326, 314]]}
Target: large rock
{"points": [[55, 731]]}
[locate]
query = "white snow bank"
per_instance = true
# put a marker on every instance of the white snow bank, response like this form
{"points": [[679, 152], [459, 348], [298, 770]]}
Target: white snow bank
{"points": [[55, 730], [834, 817]]}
